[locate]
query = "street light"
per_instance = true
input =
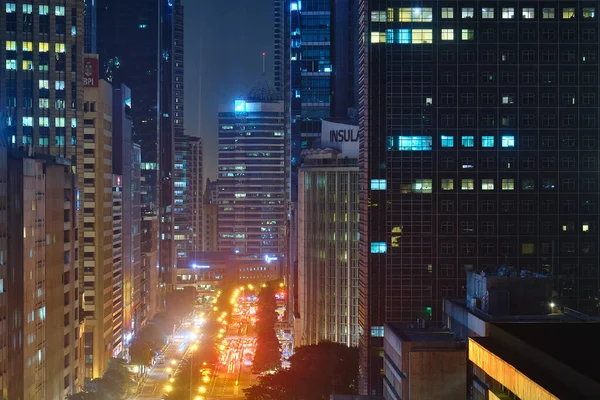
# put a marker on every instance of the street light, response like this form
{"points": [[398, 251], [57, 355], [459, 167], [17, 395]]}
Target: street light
{"points": [[202, 389]]}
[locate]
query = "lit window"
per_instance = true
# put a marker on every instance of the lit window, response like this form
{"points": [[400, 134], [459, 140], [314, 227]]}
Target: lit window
{"points": [[73, 122], [378, 37], [528, 13], [467, 184], [11, 45], [447, 34], [487, 13], [447, 141], [59, 85], [568, 13], [59, 11], [527, 184], [59, 140], [44, 84], [27, 65], [44, 121], [43, 10], [59, 122], [448, 184], [487, 141], [508, 13], [447, 12], [43, 141], [585, 227], [422, 36], [467, 141], [43, 103], [589, 12], [422, 186], [44, 47], [59, 47], [508, 184], [508, 99], [508, 141], [377, 331], [404, 36], [467, 34], [487, 184], [389, 36], [416, 14], [11, 64], [378, 247], [548, 13], [27, 46], [378, 184], [378, 16], [527, 248], [27, 8], [11, 8], [468, 12], [409, 143], [27, 121]]}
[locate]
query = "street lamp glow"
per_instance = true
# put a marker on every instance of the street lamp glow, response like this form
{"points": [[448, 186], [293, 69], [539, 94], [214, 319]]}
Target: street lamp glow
{"points": [[202, 389], [552, 304], [205, 379], [168, 388], [173, 362], [215, 309], [250, 286], [220, 335], [171, 380], [281, 284], [169, 370], [222, 347]]}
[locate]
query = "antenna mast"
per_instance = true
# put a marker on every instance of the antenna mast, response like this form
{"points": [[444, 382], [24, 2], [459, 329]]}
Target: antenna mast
{"points": [[263, 60]]}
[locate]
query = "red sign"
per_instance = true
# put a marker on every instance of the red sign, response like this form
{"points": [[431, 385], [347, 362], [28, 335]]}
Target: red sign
{"points": [[90, 72]]}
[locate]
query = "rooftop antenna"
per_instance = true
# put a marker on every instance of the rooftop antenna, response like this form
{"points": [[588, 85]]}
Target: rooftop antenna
{"points": [[263, 60]]}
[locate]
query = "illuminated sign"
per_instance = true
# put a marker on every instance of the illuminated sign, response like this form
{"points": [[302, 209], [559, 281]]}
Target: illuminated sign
{"points": [[196, 266], [239, 106], [90, 72], [341, 137]]}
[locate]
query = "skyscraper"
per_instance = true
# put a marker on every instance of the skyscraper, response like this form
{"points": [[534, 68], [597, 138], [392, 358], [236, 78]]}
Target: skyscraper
{"points": [[43, 305], [188, 197], [97, 234], [478, 148], [251, 184], [41, 94], [3, 257], [126, 165], [328, 247], [150, 62], [89, 39]]}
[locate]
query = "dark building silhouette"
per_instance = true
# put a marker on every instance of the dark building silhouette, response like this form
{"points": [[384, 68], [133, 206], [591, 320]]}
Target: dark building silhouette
{"points": [[479, 148]]}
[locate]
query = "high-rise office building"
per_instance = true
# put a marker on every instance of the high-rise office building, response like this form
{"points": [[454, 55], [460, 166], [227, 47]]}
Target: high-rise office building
{"points": [[126, 165], [150, 62], [96, 235], [41, 94], [3, 262], [478, 148], [89, 33], [188, 197], [149, 273], [251, 183], [117, 260], [328, 221], [43, 305]]}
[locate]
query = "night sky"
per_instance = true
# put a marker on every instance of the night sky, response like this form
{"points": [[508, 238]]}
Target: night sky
{"points": [[224, 40]]}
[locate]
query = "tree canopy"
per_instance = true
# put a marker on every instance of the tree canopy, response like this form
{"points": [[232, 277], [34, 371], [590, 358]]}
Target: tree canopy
{"points": [[268, 352], [115, 384], [316, 372]]}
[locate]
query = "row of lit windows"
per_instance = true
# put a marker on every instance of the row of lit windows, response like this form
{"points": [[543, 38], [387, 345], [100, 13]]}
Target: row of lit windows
{"points": [[59, 11], [424, 143], [44, 47], [527, 226], [59, 122], [417, 14], [447, 184], [44, 141], [506, 141]]}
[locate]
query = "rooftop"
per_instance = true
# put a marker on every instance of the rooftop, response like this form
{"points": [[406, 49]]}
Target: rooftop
{"points": [[408, 333], [263, 92]]}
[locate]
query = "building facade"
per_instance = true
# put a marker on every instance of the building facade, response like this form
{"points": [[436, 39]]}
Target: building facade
{"points": [[478, 149], [251, 185], [328, 248], [188, 196], [3, 262], [118, 297], [153, 69], [42, 95], [41, 258], [97, 236], [126, 165]]}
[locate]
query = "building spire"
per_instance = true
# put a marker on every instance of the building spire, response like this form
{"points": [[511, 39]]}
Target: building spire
{"points": [[263, 60]]}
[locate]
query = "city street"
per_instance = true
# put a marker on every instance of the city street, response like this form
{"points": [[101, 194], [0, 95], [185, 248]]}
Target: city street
{"points": [[157, 380]]}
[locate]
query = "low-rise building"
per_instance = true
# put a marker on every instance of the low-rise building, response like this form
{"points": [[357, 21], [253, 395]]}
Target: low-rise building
{"points": [[423, 363]]}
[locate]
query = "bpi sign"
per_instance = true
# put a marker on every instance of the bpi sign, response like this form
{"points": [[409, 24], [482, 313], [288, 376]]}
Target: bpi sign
{"points": [[341, 137], [90, 72]]}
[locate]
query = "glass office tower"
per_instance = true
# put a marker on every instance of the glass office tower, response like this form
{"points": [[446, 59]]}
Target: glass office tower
{"points": [[479, 148]]}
